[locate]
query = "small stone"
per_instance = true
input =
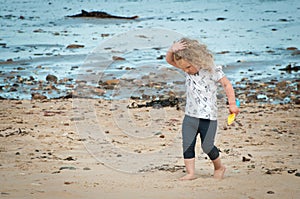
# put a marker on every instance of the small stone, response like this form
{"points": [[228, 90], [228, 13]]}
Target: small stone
{"points": [[86, 168], [270, 192], [69, 168], [37, 96], [297, 174], [51, 78], [116, 58], [291, 171], [70, 158], [75, 46], [39, 30], [112, 82], [104, 35], [292, 48], [221, 18], [246, 159]]}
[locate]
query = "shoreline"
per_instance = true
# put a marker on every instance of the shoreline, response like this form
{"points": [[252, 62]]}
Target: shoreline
{"points": [[253, 81]]}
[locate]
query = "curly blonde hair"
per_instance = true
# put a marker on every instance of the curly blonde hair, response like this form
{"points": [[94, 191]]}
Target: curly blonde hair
{"points": [[196, 53]]}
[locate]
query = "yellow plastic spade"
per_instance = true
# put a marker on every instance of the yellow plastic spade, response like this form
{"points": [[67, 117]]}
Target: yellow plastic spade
{"points": [[230, 118]]}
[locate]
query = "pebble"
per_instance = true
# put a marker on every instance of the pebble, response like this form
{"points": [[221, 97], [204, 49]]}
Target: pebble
{"points": [[68, 168], [51, 78], [112, 82], [37, 96], [72, 46], [116, 58], [68, 183], [246, 159], [70, 158]]}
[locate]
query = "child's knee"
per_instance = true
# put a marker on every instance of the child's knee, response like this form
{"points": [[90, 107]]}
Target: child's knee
{"points": [[212, 152]]}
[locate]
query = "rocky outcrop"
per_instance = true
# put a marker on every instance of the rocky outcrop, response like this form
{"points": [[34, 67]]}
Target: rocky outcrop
{"points": [[99, 14]]}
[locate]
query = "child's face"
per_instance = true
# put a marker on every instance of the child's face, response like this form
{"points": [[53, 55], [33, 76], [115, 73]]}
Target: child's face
{"points": [[186, 67]]}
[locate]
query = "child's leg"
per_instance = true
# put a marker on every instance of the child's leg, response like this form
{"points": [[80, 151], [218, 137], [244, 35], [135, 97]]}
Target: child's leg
{"points": [[189, 133], [190, 169], [208, 129], [219, 169]]}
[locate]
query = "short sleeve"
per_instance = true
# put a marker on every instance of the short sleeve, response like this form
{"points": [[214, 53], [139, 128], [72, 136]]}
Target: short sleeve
{"points": [[219, 74]]}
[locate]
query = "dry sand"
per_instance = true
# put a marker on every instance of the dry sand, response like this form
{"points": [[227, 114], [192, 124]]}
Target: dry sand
{"points": [[45, 152]]}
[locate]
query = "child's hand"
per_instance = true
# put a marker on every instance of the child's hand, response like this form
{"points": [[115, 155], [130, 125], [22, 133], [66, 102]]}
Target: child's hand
{"points": [[180, 45], [234, 109]]}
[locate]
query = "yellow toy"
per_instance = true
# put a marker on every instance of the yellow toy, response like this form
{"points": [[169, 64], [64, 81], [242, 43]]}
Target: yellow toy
{"points": [[231, 117]]}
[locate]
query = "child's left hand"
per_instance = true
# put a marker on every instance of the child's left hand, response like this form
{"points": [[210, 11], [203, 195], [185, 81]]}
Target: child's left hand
{"points": [[234, 109], [180, 45]]}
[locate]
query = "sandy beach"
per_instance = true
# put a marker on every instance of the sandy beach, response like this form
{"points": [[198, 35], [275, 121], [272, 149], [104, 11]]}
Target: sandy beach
{"points": [[70, 90], [45, 154]]}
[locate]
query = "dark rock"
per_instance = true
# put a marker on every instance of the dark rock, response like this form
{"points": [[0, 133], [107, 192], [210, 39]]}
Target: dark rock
{"points": [[274, 171], [270, 192], [75, 46], [246, 159], [69, 168], [291, 171], [51, 78], [289, 68], [221, 18], [38, 31], [70, 158], [161, 57], [297, 174], [99, 14]]}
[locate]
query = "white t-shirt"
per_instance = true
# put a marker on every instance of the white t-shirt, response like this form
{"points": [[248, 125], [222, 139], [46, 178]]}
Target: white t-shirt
{"points": [[201, 92]]}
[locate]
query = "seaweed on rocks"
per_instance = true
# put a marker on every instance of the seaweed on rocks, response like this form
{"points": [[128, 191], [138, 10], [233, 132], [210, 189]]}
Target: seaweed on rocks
{"points": [[160, 103]]}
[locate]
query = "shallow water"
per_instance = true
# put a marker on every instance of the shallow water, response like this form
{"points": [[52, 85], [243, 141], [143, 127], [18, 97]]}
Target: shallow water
{"points": [[249, 37]]}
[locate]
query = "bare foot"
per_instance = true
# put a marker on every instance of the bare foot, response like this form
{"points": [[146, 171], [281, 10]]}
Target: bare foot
{"points": [[188, 177], [219, 174]]}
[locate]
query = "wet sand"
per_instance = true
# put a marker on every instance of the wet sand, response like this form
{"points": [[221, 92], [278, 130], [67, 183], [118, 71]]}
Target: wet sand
{"points": [[45, 153]]}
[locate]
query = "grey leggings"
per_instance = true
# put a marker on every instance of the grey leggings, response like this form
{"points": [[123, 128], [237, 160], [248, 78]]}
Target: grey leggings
{"points": [[207, 129]]}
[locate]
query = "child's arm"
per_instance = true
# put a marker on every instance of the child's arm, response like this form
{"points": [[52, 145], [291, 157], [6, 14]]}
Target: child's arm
{"points": [[230, 95], [170, 57], [174, 48]]}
